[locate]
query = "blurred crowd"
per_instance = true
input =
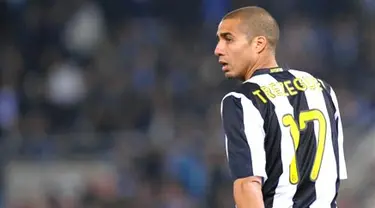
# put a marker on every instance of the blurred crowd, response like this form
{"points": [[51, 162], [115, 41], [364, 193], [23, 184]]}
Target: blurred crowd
{"points": [[134, 83]]}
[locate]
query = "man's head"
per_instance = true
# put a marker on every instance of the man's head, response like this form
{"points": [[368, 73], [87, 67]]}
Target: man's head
{"points": [[246, 36]]}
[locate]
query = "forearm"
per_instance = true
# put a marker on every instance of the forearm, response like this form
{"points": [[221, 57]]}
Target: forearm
{"points": [[248, 194]]}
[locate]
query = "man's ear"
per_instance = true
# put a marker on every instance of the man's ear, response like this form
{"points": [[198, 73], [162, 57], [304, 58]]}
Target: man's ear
{"points": [[260, 43]]}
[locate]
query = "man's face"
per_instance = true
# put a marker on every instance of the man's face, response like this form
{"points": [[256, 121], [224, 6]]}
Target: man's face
{"points": [[235, 51]]}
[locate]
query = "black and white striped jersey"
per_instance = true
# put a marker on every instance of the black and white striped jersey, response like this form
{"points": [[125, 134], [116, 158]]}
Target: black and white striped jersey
{"points": [[285, 126]]}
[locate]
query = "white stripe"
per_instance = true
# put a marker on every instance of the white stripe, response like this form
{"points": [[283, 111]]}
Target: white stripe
{"points": [[226, 138], [325, 185], [285, 191], [226, 147], [342, 163], [253, 124]]}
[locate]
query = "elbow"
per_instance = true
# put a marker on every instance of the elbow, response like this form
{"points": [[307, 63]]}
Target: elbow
{"points": [[249, 185], [248, 192]]}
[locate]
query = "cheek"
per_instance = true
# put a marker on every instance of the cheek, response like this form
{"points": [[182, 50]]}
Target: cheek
{"points": [[244, 58], [243, 53], [240, 56], [248, 55]]}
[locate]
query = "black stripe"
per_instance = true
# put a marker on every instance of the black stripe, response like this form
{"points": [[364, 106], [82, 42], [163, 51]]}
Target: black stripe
{"points": [[305, 194], [334, 127], [272, 145], [239, 154]]}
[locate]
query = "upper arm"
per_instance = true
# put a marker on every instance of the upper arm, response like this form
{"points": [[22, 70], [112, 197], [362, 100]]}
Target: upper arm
{"points": [[342, 163], [244, 135]]}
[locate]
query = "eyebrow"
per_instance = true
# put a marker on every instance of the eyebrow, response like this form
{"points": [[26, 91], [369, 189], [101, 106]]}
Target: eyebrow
{"points": [[223, 34]]}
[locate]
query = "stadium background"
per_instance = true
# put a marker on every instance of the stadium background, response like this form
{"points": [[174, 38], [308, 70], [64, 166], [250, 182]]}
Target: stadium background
{"points": [[115, 103]]}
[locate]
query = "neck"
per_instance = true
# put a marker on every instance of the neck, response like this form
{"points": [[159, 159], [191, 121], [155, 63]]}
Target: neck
{"points": [[261, 63]]}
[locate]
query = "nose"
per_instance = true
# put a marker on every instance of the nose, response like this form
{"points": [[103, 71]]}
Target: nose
{"points": [[218, 50]]}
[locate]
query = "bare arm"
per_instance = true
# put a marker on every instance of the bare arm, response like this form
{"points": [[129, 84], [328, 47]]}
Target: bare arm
{"points": [[248, 192]]}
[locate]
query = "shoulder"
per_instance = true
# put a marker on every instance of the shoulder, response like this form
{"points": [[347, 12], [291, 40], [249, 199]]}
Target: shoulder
{"points": [[243, 91], [248, 95], [303, 74]]}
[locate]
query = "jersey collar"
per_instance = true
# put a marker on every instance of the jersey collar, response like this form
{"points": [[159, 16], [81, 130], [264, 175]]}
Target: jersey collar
{"points": [[268, 71]]}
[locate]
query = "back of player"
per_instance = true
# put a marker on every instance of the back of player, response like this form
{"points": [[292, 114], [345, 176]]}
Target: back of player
{"points": [[303, 140], [291, 125]]}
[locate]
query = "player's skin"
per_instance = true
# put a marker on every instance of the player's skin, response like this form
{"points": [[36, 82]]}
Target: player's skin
{"points": [[240, 55]]}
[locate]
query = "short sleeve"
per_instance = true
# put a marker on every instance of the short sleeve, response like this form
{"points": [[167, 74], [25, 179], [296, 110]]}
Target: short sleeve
{"points": [[244, 136]]}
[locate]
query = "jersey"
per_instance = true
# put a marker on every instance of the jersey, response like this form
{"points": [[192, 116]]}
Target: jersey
{"points": [[284, 125]]}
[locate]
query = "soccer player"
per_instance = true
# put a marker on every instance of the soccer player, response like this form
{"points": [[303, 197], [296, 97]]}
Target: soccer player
{"points": [[283, 132]]}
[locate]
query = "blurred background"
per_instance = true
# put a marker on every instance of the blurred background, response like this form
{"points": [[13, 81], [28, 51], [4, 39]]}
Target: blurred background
{"points": [[115, 103]]}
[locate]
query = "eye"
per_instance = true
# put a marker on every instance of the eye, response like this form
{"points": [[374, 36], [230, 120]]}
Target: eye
{"points": [[228, 39]]}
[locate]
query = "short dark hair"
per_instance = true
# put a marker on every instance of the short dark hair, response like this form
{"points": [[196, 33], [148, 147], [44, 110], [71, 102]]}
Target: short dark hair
{"points": [[256, 21]]}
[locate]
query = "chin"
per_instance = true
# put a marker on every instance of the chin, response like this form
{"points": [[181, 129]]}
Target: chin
{"points": [[230, 75]]}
